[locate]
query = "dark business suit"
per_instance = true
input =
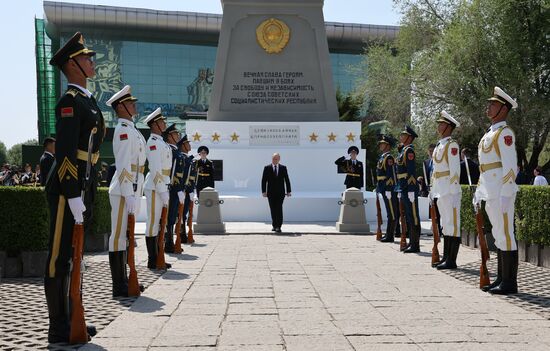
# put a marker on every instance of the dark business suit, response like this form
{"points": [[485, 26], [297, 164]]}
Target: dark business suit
{"points": [[46, 162], [273, 183]]}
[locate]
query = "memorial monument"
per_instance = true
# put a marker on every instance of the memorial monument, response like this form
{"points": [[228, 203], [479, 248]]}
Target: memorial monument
{"points": [[273, 92]]}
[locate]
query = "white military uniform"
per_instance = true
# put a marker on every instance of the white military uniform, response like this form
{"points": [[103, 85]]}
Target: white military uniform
{"points": [[445, 185], [498, 169], [129, 152], [159, 156]]}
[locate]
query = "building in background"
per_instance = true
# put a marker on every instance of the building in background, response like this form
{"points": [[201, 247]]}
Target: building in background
{"points": [[167, 57]]}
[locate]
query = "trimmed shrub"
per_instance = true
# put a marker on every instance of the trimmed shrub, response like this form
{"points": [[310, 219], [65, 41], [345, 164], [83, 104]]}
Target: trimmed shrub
{"points": [[533, 214]]}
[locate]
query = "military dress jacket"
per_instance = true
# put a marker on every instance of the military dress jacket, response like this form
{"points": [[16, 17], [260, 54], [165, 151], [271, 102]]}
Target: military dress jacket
{"points": [[446, 168], [385, 177], [159, 156], [406, 170]]}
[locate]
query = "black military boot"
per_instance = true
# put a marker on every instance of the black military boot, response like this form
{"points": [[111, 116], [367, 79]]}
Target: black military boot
{"points": [[454, 245], [446, 243], [397, 229], [499, 273], [414, 240], [152, 251], [120, 281], [169, 239], [57, 300], [388, 237], [509, 283]]}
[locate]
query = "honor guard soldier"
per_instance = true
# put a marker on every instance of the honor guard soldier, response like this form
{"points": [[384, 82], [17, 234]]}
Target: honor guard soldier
{"points": [[126, 186], [189, 176], [78, 120], [353, 168], [177, 184], [385, 185], [445, 190], [159, 155], [204, 169], [407, 188], [497, 187]]}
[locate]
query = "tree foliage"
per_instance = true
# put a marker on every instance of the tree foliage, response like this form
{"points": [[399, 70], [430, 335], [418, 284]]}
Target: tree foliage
{"points": [[450, 54], [3, 153], [15, 153]]}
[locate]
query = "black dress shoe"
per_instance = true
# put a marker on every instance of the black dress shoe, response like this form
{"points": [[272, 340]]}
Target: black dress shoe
{"points": [[278, 230], [273, 229]]}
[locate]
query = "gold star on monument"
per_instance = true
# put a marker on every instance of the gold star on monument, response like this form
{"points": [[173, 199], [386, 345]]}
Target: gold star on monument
{"points": [[216, 137], [332, 137], [196, 136], [350, 136], [234, 137], [313, 137]]}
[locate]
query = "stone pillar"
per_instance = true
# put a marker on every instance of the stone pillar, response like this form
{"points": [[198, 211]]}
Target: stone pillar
{"points": [[209, 218], [352, 213]]}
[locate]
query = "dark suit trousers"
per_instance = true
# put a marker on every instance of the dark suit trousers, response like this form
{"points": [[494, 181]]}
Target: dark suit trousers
{"points": [[276, 207]]}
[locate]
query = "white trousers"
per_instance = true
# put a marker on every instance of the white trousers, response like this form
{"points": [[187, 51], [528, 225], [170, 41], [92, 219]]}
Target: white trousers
{"points": [[503, 224], [119, 222], [154, 209], [449, 216]]}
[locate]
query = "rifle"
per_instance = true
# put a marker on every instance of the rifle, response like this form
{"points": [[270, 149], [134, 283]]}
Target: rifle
{"points": [[379, 219], [435, 226], [79, 332], [190, 239], [403, 242], [177, 245], [484, 249], [161, 263], [435, 230], [133, 283]]}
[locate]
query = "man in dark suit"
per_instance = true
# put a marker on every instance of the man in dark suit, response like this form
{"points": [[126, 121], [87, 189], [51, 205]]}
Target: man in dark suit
{"points": [[46, 160], [353, 169], [274, 180], [474, 168], [204, 169]]}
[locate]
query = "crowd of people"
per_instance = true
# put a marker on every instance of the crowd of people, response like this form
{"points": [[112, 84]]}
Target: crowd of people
{"points": [[22, 176]]}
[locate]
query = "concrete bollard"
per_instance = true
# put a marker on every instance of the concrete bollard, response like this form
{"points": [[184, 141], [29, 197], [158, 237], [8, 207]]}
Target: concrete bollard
{"points": [[352, 213], [209, 218]]}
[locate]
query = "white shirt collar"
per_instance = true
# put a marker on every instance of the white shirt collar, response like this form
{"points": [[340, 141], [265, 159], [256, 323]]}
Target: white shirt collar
{"points": [[155, 134], [127, 121], [497, 125], [173, 146], [444, 140], [49, 153], [274, 165], [84, 90]]}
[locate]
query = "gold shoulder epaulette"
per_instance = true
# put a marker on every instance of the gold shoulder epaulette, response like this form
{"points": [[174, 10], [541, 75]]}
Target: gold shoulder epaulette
{"points": [[72, 92]]}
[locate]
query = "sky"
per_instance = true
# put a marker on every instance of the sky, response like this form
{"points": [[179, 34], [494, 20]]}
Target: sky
{"points": [[17, 60]]}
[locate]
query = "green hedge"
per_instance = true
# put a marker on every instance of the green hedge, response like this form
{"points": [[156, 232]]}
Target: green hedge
{"points": [[24, 218], [532, 215]]}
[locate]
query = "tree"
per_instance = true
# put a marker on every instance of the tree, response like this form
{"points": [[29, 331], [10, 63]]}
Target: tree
{"points": [[3, 153], [15, 154], [449, 55], [349, 106]]}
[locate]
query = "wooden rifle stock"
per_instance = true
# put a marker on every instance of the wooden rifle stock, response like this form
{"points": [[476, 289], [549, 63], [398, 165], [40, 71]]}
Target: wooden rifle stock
{"points": [[79, 333], [483, 271], [133, 283], [161, 263], [403, 243], [379, 219], [190, 239], [435, 230], [177, 245]]}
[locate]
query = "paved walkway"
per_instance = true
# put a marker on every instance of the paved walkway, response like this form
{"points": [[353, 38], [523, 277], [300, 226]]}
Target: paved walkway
{"points": [[316, 292]]}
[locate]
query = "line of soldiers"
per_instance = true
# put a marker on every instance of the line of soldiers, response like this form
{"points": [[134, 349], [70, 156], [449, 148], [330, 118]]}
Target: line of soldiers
{"points": [[71, 184], [397, 184]]}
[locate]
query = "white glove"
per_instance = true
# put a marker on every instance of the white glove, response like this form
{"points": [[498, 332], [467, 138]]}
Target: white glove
{"points": [[431, 197], [505, 202], [399, 195], [411, 196], [455, 200], [476, 201], [181, 196], [130, 203], [165, 197], [195, 197], [77, 209], [388, 195]]}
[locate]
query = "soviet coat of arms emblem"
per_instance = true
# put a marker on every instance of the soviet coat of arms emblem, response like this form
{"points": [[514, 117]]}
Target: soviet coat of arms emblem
{"points": [[273, 35]]}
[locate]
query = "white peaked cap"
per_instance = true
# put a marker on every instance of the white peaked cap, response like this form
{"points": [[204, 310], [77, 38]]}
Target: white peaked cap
{"points": [[500, 96], [123, 95], [157, 114], [446, 118]]}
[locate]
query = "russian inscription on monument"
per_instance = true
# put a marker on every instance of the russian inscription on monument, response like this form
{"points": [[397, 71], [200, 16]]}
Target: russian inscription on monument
{"points": [[274, 135], [273, 63]]}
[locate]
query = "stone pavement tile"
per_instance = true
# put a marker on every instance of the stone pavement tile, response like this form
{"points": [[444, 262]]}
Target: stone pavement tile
{"points": [[198, 309], [183, 348], [185, 341], [236, 326], [240, 308], [307, 314], [193, 325], [250, 337], [351, 327], [251, 318], [385, 347], [93, 347], [263, 292], [428, 337], [304, 303], [379, 339], [472, 346], [128, 341], [309, 327], [251, 348], [316, 342], [148, 327]]}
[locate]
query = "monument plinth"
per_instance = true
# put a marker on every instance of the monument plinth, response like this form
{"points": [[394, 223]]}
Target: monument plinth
{"points": [[273, 63]]}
